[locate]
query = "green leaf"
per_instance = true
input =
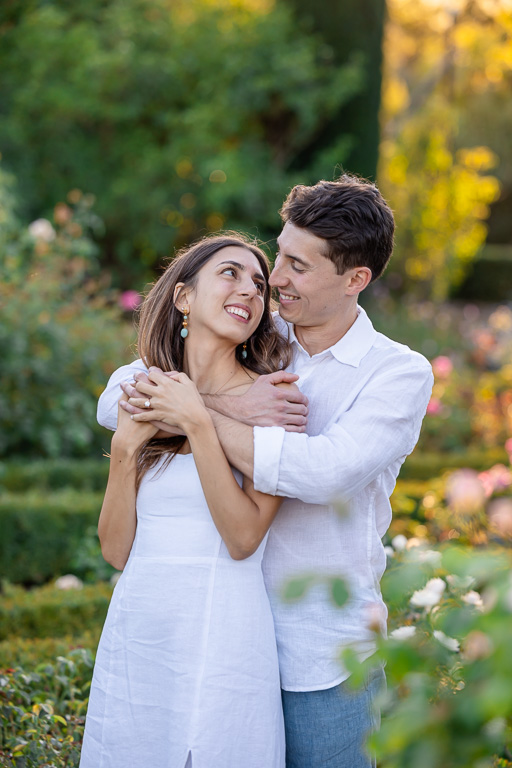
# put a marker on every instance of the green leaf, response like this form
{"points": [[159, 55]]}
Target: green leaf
{"points": [[339, 591], [295, 589]]}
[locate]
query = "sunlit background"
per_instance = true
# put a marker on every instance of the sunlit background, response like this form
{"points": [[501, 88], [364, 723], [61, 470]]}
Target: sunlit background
{"points": [[128, 128]]}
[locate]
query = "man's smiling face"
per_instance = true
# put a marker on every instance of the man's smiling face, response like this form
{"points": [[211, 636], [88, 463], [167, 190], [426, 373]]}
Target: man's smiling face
{"points": [[311, 293]]}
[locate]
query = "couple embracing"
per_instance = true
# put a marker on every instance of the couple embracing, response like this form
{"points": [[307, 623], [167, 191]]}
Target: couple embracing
{"points": [[237, 432]]}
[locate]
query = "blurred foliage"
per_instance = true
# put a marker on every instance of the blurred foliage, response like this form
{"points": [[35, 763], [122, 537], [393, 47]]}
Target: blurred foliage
{"points": [[43, 712], [43, 533], [52, 612], [448, 663], [181, 116], [54, 474], [470, 348], [350, 28], [445, 64], [30, 652], [61, 332]]}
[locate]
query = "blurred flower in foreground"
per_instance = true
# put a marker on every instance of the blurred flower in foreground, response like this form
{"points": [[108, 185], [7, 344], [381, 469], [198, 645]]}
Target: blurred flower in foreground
{"points": [[448, 642], [399, 542], [41, 229], [498, 478], [500, 516], [465, 492], [473, 598], [442, 367], [129, 300], [403, 633], [434, 407], [477, 645], [430, 594]]}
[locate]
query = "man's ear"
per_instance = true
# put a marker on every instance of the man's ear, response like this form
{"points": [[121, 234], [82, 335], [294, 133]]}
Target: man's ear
{"points": [[358, 279], [180, 298]]}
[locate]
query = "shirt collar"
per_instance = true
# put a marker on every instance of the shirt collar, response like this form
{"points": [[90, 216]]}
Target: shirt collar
{"points": [[352, 347]]}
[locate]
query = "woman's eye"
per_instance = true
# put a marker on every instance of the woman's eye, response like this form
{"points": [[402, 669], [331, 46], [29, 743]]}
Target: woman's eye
{"points": [[229, 271], [260, 287], [296, 269]]}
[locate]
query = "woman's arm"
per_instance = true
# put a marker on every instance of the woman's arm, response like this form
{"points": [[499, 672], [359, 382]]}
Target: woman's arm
{"points": [[118, 519], [242, 515]]}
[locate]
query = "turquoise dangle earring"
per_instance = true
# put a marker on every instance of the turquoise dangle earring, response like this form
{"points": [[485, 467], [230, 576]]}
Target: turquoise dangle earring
{"points": [[244, 350], [184, 330]]}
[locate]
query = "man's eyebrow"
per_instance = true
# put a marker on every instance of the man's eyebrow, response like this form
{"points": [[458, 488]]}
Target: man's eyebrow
{"points": [[243, 268], [295, 258]]}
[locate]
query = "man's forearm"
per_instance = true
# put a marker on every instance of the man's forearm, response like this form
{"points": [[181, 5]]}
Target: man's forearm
{"points": [[237, 442]]}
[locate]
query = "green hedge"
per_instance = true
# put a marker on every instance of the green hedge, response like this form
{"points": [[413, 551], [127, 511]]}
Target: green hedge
{"points": [[29, 652], [51, 612], [41, 532], [54, 474], [422, 465], [91, 474]]}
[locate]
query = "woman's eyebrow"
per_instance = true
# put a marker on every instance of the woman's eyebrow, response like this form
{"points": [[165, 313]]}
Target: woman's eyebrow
{"points": [[242, 267]]}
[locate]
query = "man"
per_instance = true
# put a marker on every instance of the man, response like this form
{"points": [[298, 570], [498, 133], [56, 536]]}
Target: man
{"points": [[367, 397]]}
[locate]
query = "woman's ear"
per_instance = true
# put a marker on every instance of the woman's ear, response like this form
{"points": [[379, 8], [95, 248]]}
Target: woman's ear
{"points": [[180, 298]]}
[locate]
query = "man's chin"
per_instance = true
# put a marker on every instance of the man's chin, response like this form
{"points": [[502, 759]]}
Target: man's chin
{"points": [[287, 311]]}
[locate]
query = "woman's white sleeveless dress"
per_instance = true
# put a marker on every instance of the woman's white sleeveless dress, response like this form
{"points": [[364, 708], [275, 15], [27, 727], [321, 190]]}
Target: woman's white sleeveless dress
{"points": [[186, 671]]}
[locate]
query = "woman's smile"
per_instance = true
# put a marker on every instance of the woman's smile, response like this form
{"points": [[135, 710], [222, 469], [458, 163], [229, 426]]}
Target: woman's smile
{"points": [[240, 312]]}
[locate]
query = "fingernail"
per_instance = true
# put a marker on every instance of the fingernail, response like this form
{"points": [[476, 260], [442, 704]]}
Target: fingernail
{"points": [[131, 417]]}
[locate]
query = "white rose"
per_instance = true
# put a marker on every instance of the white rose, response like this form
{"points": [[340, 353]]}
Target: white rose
{"points": [[449, 642], [41, 229], [403, 633], [430, 594], [399, 542]]}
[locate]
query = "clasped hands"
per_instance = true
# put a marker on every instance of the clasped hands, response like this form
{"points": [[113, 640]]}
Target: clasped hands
{"points": [[273, 400]]}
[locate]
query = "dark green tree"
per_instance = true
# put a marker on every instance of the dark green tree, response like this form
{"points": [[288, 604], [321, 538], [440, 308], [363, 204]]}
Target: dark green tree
{"points": [[353, 29], [179, 117]]}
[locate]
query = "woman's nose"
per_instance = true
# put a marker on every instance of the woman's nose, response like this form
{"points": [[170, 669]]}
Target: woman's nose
{"points": [[248, 287]]}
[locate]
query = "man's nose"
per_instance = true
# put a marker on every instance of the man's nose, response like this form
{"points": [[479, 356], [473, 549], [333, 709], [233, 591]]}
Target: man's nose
{"points": [[277, 276]]}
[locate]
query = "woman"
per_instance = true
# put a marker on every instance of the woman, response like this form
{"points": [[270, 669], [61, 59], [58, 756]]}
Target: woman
{"points": [[186, 672]]}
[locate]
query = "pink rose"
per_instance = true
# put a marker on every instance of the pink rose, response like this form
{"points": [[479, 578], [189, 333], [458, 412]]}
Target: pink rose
{"points": [[129, 300], [434, 407], [442, 367]]}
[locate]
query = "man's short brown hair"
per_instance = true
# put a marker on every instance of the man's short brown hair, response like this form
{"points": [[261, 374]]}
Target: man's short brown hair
{"points": [[351, 215]]}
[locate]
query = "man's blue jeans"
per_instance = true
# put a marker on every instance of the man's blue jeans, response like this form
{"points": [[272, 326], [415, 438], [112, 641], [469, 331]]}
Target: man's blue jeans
{"points": [[328, 729]]}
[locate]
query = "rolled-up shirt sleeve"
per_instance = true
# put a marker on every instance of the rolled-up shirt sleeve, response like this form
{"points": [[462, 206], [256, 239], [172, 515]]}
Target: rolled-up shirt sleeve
{"points": [[381, 426], [268, 444], [109, 399]]}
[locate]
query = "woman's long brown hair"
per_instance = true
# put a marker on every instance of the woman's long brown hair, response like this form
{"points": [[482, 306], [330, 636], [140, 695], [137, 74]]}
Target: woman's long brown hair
{"points": [[160, 323]]}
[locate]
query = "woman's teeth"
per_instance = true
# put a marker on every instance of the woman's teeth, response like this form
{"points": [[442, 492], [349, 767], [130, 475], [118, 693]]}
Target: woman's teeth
{"points": [[237, 311]]}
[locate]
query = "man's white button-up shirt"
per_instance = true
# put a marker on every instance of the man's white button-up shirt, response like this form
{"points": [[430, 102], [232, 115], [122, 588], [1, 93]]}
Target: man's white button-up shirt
{"points": [[367, 398]]}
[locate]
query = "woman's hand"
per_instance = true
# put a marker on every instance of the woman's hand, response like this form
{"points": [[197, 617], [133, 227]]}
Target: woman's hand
{"points": [[174, 400], [129, 434]]}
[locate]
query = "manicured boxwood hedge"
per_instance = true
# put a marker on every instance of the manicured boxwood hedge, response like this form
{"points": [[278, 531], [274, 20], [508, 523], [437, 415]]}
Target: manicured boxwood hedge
{"points": [[54, 474], [41, 532], [423, 466], [30, 652], [51, 612], [91, 474], [46, 507]]}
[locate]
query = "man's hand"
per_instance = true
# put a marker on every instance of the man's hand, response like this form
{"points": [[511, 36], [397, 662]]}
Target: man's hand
{"points": [[273, 400]]}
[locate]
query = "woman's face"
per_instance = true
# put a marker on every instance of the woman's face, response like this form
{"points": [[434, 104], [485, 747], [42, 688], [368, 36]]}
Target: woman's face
{"points": [[228, 298]]}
